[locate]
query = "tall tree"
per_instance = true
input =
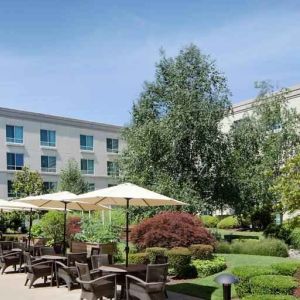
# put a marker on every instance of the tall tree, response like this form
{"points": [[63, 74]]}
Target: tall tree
{"points": [[261, 143], [27, 182], [71, 179], [174, 142]]}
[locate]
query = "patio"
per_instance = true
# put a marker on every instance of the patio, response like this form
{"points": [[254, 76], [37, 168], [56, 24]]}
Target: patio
{"points": [[12, 288]]}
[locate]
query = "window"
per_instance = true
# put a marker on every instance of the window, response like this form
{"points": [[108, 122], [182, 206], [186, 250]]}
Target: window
{"points": [[86, 142], [48, 163], [87, 166], [14, 134], [49, 186], [91, 187], [10, 190], [112, 145], [15, 161], [112, 168], [48, 138]]}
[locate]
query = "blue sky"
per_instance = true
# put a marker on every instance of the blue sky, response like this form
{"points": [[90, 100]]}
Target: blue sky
{"points": [[88, 59]]}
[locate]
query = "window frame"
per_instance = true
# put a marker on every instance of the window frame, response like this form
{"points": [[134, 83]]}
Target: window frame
{"points": [[15, 166], [112, 149], [86, 147], [48, 169], [14, 140], [115, 172], [87, 171], [48, 143]]}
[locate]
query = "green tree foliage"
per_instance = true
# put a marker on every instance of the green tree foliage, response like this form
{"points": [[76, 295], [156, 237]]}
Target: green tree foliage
{"points": [[71, 179], [27, 182], [174, 142], [288, 183], [260, 144]]}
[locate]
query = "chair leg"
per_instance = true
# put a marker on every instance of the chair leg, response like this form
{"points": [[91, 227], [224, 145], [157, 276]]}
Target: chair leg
{"points": [[26, 281]]}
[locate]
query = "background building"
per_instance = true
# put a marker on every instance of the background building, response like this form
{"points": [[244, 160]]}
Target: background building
{"points": [[45, 143]]}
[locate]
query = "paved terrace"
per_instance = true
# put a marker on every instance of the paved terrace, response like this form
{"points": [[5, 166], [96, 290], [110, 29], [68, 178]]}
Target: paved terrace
{"points": [[12, 288]]}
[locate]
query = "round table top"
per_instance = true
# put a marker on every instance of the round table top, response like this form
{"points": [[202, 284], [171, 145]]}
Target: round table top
{"points": [[53, 257], [123, 269], [16, 250]]}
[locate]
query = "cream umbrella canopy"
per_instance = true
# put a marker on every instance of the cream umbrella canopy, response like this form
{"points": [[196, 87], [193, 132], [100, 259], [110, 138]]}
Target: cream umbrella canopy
{"points": [[124, 195], [61, 200]]}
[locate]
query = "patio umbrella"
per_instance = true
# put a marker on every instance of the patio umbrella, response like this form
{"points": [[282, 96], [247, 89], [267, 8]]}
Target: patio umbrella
{"points": [[61, 200], [124, 195]]}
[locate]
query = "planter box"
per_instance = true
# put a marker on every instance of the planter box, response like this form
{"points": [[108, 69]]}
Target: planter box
{"points": [[108, 248]]}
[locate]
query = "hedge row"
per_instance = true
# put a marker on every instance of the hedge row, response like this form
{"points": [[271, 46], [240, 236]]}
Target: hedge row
{"points": [[269, 297], [209, 266], [229, 222]]}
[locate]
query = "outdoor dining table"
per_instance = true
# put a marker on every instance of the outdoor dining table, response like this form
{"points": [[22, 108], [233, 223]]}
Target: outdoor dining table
{"points": [[121, 271]]}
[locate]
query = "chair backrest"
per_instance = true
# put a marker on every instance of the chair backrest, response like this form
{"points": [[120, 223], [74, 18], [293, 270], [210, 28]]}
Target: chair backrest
{"points": [[19, 245], [76, 257], [95, 251], [28, 261], [161, 259], [157, 272], [47, 251], [99, 260], [6, 245]]}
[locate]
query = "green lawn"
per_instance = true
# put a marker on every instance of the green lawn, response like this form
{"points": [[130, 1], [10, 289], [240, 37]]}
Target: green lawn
{"points": [[206, 288]]}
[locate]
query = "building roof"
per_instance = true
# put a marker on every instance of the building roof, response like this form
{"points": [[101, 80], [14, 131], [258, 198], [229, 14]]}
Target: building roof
{"points": [[32, 116]]}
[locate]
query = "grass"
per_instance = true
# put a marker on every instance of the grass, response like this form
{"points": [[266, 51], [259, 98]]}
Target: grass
{"points": [[207, 289]]}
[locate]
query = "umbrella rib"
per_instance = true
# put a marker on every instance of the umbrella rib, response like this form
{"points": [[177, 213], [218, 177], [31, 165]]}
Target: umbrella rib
{"points": [[80, 206], [100, 199], [145, 202]]}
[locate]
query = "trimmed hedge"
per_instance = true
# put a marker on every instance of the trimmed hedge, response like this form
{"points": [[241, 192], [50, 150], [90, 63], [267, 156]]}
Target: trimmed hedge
{"points": [[265, 247], [286, 268], [210, 266], [154, 251], [273, 284], [245, 273], [295, 238], [269, 297], [209, 221], [201, 251], [179, 259], [138, 258], [228, 223], [230, 237]]}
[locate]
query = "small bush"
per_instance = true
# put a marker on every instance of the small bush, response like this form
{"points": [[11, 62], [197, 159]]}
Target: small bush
{"points": [[73, 226], [269, 297], [201, 251], [154, 251], [295, 238], [245, 273], [228, 223], [36, 230], [179, 259], [210, 266], [286, 268], [265, 247], [52, 225], [170, 229], [273, 284], [138, 258], [209, 221], [282, 232]]}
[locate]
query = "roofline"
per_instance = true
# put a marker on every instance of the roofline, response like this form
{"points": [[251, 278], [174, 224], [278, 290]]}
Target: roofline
{"points": [[246, 105], [33, 116]]}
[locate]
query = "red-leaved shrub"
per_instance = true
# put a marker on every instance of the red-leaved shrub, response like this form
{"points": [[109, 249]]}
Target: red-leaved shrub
{"points": [[73, 226], [170, 229]]}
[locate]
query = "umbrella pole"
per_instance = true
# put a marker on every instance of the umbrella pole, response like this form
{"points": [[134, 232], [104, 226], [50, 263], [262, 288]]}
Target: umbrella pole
{"points": [[127, 230], [65, 224], [29, 230]]}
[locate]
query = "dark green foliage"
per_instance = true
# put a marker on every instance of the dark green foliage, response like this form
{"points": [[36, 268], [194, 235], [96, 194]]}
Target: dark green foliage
{"points": [[201, 251], [154, 251], [269, 297], [282, 232], [261, 217], [14, 220], [295, 238], [228, 223], [206, 267], [286, 268], [52, 225], [273, 284], [138, 258], [230, 237], [209, 221], [245, 273]]}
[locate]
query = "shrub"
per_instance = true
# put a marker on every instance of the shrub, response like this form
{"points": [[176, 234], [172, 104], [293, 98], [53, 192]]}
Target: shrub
{"points": [[273, 284], [154, 251], [269, 297], [209, 221], [230, 237], [170, 229], [228, 223], [73, 225], [282, 232], [265, 247], [295, 238], [286, 268], [52, 225], [209, 266], [245, 273], [36, 230], [179, 259], [138, 258], [201, 251]]}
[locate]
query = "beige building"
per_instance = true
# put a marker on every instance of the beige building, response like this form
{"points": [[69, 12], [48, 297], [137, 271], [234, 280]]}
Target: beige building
{"points": [[45, 143]]}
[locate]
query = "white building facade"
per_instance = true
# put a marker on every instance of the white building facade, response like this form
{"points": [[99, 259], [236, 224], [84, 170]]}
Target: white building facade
{"points": [[45, 143]]}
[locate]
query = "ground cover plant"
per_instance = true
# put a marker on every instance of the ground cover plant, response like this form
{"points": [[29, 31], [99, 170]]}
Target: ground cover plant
{"points": [[206, 267]]}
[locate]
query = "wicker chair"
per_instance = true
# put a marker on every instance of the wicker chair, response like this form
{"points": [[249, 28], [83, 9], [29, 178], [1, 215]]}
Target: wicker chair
{"points": [[68, 273], [37, 269], [8, 259], [6, 246], [92, 289], [151, 289], [95, 251], [99, 260], [161, 259], [47, 251]]}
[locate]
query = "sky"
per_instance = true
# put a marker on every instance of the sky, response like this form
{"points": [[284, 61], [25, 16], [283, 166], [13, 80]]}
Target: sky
{"points": [[88, 59]]}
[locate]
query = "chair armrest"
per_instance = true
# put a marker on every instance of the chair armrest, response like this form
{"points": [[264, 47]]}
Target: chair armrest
{"points": [[136, 279], [10, 254], [62, 265], [142, 282], [95, 280], [45, 262]]}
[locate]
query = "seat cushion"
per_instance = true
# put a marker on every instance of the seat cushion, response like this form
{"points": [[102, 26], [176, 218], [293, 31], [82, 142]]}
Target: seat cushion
{"points": [[151, 288]]}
